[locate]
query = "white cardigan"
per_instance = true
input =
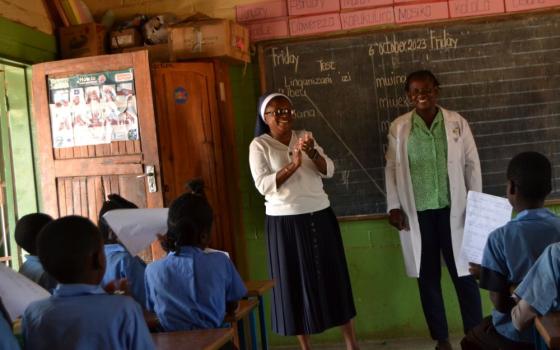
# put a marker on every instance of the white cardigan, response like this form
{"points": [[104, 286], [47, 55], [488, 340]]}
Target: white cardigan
{"points": [[302, 192], [463, 168]]}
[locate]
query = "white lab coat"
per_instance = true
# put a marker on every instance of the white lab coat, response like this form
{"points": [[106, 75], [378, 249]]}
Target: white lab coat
{"points": [[463, 168]]}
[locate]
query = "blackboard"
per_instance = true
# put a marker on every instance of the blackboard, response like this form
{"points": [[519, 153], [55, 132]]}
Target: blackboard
{"points": [[501, 74]]}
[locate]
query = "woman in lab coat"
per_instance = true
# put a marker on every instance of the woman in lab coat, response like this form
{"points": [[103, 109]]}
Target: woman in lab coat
{"points": [[432, 162]]}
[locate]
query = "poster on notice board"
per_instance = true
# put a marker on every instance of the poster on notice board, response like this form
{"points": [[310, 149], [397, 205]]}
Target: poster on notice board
{"points": [[93, 108]]}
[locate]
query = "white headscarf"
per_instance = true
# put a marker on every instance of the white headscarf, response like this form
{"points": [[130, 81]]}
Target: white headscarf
{"points": [[267, 99]]}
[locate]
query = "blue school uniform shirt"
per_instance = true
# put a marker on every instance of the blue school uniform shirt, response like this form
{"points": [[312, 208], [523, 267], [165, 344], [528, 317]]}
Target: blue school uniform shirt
{"points": [[33, 269], [510, 252], [541, 285], [189, 289], [7, 339], [120, 264], [83, 317]]}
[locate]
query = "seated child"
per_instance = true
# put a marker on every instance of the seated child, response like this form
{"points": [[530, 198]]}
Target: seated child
{"points": [[120, 264], [27, 229], [512, 249], [80, 314], [539, 292], [7, 339], [190, 288]]}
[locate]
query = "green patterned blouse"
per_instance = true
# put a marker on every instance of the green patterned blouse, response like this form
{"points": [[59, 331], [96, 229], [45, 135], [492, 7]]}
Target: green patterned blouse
{"points": [[427, 157]]}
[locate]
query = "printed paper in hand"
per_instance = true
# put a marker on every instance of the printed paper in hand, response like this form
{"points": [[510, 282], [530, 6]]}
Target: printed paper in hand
{"points": [[137, 228], [485, 213], [18, 291]]}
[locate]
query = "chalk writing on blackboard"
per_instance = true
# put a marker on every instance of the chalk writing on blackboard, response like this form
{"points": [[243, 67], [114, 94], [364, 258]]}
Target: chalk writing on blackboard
{"points": [[498, 74]]}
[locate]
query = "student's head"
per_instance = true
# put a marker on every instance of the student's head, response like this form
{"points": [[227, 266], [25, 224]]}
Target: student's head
{"points": [[28, 228], [113, 202], [190, 218], [422, 89], [529, 179], [71, 250]]}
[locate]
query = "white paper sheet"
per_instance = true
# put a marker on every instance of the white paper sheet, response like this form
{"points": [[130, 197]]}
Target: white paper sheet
{"points": [[485, 213], [137, 228], [18, 291]]}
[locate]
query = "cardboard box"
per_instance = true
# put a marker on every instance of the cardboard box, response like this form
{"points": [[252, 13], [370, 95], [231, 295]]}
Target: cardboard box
{"points": [[129, 37], [209, 38], [156, 53], [82, 40]]}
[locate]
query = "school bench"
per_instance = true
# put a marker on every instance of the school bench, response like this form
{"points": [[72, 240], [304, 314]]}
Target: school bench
{"points": [[548, 326], [202, 339]]}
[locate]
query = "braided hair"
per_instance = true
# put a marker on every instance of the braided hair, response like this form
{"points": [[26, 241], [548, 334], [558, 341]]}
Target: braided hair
{"points": [[190, 218]]}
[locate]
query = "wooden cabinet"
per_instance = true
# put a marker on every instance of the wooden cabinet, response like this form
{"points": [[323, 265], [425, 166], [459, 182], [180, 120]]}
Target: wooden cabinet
{"points": [[196, 139]]}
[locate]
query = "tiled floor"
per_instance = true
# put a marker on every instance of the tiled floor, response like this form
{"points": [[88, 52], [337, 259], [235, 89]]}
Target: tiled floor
{"points": [[390, 344]]}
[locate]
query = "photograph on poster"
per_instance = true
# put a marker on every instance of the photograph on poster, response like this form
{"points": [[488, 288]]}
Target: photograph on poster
{"points": [[92, 109]]}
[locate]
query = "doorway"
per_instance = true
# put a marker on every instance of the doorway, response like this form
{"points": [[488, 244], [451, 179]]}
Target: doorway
{"points": [[18, 183]]}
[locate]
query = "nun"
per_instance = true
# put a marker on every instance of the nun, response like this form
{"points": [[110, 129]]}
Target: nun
{"points": [[306, 258]]}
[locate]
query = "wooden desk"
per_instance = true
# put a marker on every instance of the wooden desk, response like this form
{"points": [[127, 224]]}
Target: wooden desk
{"points": [[204, 339], [245, 308], [257, 289], [548, 327]]}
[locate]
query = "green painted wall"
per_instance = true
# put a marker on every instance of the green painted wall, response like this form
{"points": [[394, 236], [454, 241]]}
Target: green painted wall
{"points": [[19, 46], [24, 44], [387, 301]]}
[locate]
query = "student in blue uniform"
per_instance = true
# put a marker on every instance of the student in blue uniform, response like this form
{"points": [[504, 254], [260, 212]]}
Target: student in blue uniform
{"points": [[80, 314], [512, 249], [539, 292], [7, 339], [27, 229], [191, 288], [120, 264]]}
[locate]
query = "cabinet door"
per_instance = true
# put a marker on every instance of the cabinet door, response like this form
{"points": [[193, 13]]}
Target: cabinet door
{"points": [[190, 141], [76, 180]]}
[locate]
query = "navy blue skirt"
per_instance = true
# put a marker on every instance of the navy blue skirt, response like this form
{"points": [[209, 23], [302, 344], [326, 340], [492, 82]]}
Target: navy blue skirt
{"points": [[307, 262]]}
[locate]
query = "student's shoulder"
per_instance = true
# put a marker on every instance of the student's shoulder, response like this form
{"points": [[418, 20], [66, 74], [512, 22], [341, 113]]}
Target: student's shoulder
{"points": [[553, 251], [38, 307], [215, 257], [500, 234]]}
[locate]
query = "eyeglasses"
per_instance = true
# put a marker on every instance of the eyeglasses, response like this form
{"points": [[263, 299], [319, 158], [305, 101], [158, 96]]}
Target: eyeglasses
{"points": [[281, 111]]}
